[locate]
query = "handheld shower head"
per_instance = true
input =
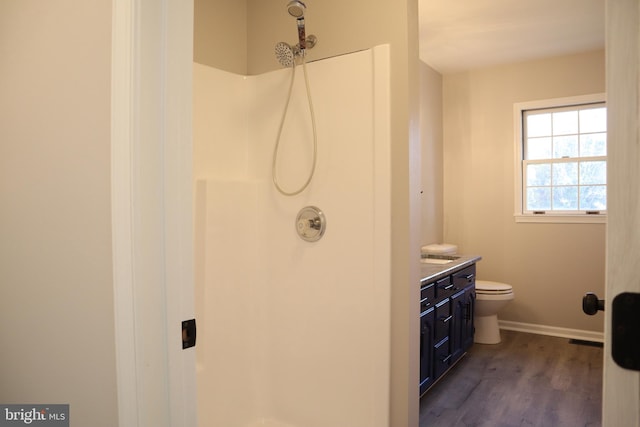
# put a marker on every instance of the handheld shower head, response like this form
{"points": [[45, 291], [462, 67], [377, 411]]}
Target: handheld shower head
{"points": [[286, 53], [296, 8], [302, 37]]}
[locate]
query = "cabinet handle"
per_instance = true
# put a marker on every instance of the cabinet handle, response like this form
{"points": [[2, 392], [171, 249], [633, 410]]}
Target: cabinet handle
{"points": [[467, 311], [446, 288], [445, 359], [446, 319]]}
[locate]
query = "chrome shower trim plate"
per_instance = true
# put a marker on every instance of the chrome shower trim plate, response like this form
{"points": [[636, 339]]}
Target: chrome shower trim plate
{"points": [[311, 224]]}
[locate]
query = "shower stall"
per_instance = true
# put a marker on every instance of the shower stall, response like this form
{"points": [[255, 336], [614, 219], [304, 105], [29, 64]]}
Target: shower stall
{"points": [[293, 333]]}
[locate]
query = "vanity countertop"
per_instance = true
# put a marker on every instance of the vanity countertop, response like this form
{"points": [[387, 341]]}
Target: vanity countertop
{"points": [[431, 272]]}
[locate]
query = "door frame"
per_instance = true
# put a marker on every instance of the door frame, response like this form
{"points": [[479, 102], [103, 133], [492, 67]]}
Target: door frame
{"points": [[152, 45], [152, 232], [621, 388]]}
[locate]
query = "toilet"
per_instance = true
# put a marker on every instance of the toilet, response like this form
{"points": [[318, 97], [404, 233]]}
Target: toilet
{"points": [[490, 298]]}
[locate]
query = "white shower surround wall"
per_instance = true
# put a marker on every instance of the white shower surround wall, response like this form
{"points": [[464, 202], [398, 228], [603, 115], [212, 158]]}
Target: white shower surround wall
{"points": [[293, 333]]}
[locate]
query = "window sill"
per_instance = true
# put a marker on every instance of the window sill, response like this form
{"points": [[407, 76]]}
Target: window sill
{"points": [[562, 219]]}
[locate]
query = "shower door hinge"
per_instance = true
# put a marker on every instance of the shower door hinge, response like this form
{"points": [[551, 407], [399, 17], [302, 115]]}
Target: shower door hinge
{"points": [[188, 333]]}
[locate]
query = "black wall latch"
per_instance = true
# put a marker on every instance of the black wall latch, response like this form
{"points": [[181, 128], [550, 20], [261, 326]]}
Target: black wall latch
{"points": [[625, 330], [188, 333]]}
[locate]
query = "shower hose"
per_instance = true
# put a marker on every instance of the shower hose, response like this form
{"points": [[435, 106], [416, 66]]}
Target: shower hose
{"points": [[313, 125]]}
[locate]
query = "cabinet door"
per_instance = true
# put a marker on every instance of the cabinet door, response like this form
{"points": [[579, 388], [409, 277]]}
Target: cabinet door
{"points": [[462, 307], [458, 329], [469, 327], [426, 349]]}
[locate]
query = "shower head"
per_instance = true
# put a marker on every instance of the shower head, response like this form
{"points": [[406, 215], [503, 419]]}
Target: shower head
{"points": [[285, 54], [296, 8]]}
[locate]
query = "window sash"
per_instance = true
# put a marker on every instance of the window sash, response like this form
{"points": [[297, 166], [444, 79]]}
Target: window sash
{"points": [[580, 131], [580, 184]]}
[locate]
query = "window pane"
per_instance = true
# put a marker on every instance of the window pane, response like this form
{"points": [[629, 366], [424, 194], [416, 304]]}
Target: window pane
{"points": [[538, 148], [593, 144], [565, 198], [538, 175], [593, 172], [593, 197], [539, 124], [565, 146], [538, 198], [565, 122], [565, 174], [593, 120]]}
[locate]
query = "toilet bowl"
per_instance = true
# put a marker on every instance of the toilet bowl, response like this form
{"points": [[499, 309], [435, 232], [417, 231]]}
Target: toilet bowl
{"points": [[490, 298]]}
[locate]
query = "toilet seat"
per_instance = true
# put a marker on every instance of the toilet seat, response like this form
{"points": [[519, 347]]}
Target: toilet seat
{"points": [[487, 287]]}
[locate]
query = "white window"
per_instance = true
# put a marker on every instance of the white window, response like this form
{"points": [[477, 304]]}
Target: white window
{"points": [[561, 160]]}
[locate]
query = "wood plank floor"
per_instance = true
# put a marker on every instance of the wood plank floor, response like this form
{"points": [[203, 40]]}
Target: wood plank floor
{"points": [[526, 380]]}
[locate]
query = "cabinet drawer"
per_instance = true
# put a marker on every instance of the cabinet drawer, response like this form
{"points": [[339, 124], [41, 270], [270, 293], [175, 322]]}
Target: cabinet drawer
{"points": [[427, 296], [464, 278], [442, 358], [444, 287], [443, 319]]}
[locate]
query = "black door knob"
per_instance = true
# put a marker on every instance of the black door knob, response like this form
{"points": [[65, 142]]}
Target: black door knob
{"points": [[591, 304]]}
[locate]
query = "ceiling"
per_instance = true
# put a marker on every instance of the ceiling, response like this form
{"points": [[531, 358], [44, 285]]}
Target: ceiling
{"points": [[457, 35]]}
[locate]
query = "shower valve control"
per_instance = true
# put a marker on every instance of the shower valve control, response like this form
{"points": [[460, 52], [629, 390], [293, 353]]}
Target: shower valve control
{"points": [[314, 223], [310, 223]]}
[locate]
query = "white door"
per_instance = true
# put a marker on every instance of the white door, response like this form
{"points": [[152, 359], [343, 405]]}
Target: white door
{"points": [[621, 388]]}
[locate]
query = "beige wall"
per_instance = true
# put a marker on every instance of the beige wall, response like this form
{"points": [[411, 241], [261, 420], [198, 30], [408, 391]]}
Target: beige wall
{"points": [[343, 27], [56, 305], [432, 154], [220, 34], [239, 36], [550, 266]]}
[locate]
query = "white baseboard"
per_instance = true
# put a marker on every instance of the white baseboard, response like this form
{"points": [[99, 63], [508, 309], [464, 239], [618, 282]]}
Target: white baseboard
{"points": [[553, 331]]}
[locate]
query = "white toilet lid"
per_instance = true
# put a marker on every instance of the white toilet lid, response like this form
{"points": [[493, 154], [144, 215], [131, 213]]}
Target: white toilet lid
{"points": [[488, 287]]}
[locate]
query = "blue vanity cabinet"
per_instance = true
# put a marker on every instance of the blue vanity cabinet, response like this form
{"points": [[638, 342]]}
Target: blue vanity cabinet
{"points": [[446, 322]]}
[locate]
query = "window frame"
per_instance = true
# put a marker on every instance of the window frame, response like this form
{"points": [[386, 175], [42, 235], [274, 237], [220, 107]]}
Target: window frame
{"points": [[520, 214]]}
